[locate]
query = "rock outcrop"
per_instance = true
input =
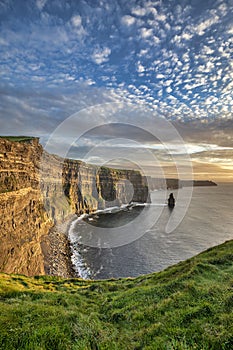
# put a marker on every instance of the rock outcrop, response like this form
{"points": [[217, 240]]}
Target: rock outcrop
{"points": [[23, 219], [159, 183], [38, 190]]}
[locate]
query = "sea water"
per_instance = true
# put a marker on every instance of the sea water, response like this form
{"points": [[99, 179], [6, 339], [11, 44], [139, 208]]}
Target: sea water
{"points": [[207, 222]]}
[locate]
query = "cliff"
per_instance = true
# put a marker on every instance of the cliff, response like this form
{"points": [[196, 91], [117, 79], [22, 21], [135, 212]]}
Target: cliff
{"points": [[169, 183], [72, 186], [38, 190], [23, 220], [198, 183]]}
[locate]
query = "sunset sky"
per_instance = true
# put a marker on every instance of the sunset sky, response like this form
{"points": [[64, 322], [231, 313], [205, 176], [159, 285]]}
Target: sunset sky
{"points": [[174, 58]]}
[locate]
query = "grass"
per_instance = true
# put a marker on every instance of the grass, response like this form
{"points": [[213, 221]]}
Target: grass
{"points": [[17, 138], [187, 306]]}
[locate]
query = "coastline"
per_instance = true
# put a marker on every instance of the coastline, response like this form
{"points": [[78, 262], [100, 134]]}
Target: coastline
{"points": [[57, 250], [60, 257]]}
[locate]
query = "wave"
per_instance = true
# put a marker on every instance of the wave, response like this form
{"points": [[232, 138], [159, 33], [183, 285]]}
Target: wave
{"points": [[116, 209], [78, 262]]}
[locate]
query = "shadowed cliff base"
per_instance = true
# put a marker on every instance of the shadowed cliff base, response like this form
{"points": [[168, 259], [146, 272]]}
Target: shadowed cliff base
{"points": [[57, 251]]}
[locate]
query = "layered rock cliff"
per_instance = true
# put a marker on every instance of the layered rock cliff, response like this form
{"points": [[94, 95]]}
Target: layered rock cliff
{"points": [[38, 190], [71, 186], [23, 219], [160, 183]]}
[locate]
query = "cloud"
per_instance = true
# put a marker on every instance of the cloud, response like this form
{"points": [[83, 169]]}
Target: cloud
{"points": [[140, 68], [230, 30], [38, 111], [156, 40], [207, 50], [143, 52], [146, 33], [186, 36], [169, 89], [160, 76], [128, 20], [180, 54], [101, 55], [139, 11], [201, 28], [76, 21], [40, 4]]}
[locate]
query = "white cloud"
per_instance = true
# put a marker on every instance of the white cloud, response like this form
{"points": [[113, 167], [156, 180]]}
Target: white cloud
{"points": [[140, 68], [186, 36], [146, 33], [101, 55], [139, 11], [222, 9], [161, 17], [143, 52], [210, 100], [176, 39], [203, 26], [230, 31], [89, 82], [167, 27], [207, 50], [167, 82], [188, 87], [169, 89], [210, 66], [40, 4], [163, 69], [153, 11], [128, 20], [186, 57], [76, 21], [160, 76], [156, 40]]}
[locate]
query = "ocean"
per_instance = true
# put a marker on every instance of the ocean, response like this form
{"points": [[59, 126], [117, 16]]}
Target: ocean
{"points": [[207, 222]]}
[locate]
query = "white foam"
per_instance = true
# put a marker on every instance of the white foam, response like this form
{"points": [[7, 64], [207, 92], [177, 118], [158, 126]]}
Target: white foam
{"points": [[80, 266]]}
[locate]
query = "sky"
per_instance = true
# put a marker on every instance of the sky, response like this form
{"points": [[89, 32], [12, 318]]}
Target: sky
{"points": [[172, 59]]}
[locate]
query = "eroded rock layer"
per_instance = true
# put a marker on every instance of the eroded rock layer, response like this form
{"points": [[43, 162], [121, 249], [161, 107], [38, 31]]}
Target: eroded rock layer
{"points": [[38, 190]]}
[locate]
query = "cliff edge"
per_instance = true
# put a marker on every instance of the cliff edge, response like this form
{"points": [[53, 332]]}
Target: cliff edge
{"points": [[38, 190]]}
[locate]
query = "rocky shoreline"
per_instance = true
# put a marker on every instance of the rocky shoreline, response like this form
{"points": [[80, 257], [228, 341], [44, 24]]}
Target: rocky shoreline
{"points": [[57, 251]]}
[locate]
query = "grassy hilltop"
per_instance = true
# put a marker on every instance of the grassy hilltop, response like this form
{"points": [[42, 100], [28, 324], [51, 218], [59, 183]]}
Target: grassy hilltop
{"points": [[187, 306], [18, 138]]}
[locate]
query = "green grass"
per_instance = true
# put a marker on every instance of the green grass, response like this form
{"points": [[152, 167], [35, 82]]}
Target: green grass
{"points": [[187, 306], [18, 138]]}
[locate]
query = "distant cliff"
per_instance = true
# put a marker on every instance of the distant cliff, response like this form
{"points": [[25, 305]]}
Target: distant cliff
{"points": [[159, 183], [72, 186], [186, 183], [38, 189], [175, 183]]}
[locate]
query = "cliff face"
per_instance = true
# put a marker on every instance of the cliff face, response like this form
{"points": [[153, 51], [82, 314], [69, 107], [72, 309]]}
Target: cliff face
{"points": [[19, 164], [23, 220], [159, 183], [72, 186], [38, 189], [90, 188]]}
